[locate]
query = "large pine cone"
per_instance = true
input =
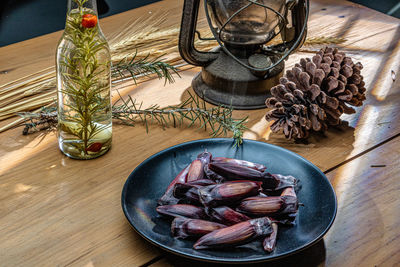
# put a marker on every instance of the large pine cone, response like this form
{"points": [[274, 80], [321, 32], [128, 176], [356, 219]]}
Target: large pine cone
{"points": [[315, 93]]}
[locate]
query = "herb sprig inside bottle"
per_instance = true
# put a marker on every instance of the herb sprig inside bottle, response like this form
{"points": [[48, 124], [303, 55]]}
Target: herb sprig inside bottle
{"points": [[83, 83]]}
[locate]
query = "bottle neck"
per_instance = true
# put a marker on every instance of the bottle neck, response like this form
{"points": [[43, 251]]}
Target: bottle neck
{"points": [[82, 16], [83, 6]]}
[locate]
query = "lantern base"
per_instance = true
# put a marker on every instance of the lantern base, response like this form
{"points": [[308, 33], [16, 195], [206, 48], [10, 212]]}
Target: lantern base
{"points": [[228, 83]]}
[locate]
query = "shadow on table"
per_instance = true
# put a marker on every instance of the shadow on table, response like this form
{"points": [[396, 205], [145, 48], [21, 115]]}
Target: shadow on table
{"points": [[312, 256]]}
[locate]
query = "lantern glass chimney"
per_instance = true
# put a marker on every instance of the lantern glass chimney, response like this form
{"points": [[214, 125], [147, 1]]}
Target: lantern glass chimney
{"points": [[239, 22]]}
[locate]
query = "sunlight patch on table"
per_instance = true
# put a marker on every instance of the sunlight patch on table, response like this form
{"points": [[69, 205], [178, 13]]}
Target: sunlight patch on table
{"points": [[385, 81], [13, 158], [51, 167], [89, 264], [156, 92], [365, 132], [260, 129], [20, 188]]}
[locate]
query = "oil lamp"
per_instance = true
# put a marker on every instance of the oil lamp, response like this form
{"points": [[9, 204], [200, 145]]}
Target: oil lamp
{"points": [[240, 72]]}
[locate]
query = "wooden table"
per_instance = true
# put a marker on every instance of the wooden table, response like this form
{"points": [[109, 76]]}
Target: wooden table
{"points": [[55, 211]]}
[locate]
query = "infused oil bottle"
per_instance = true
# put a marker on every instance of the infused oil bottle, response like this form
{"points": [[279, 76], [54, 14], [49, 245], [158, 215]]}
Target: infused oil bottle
{"points": [[83, 65]]}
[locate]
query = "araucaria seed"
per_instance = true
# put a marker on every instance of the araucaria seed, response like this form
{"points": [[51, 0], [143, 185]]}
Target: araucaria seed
{"points": [[168, 198], [226, 215], [228, 193], [268, 206], [185, 228], [244, 163], [238, 234], [235, 171], [182, 210], [196, 171], [270, 241]]}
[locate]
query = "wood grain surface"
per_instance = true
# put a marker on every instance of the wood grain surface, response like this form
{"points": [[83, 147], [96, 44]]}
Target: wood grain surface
{"points": [[64, 212]]}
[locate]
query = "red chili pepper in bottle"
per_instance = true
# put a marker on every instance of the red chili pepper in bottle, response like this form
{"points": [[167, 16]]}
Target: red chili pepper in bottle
{"points": [[89, 20], [95, 147]]}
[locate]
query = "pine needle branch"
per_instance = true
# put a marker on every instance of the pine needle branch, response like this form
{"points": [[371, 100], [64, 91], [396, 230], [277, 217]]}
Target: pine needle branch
{"points": [[132, 68], [193, 111]]}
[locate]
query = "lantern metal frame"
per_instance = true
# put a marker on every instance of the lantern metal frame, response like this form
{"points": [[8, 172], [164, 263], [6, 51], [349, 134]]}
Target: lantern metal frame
{"points": [[217, 35]]}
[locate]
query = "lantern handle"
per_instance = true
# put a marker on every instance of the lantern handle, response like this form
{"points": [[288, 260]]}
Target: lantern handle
{"points": [[186, 36]]}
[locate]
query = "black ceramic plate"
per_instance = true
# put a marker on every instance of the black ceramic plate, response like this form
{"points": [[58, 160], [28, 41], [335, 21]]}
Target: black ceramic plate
{"points": [[149, 180]]}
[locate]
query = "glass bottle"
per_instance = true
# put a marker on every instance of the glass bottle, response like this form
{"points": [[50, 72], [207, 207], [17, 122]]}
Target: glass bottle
{"points": [[83, 65]]}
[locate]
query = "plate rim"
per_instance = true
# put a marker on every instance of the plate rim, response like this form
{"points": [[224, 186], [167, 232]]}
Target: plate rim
{"points": [[230, 261]]}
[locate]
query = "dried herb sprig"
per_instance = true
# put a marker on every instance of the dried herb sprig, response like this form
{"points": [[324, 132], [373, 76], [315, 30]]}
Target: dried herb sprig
{"points": [[45, 119], [133, 68], [194, 110], [218, 119]]}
